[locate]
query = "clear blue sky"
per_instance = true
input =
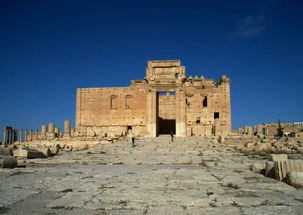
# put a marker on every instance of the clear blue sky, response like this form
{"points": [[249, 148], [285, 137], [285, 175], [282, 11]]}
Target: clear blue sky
{"points": [[50, 48]]}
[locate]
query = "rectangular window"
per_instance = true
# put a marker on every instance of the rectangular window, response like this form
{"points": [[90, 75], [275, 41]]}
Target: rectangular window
{"points": [[198, 120], [113, 102], [128, 102], [216, 115], [204, 103]]}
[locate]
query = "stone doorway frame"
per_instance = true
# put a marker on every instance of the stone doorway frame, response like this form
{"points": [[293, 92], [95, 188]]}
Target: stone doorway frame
{"points": [[152, 111]]}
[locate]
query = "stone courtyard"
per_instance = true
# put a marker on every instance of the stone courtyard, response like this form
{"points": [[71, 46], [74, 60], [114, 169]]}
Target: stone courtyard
{"points": [[193, 175]]}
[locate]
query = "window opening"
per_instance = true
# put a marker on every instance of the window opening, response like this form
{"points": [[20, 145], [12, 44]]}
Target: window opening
{"points": [[204, 101], [198, 120], [216, 115], [113, 102], [128, 101]]}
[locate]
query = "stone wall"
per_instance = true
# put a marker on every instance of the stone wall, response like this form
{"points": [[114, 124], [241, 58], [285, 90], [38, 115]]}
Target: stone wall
{"points": [[167, 107], [113, 109], [196, 107], [207, 106]]}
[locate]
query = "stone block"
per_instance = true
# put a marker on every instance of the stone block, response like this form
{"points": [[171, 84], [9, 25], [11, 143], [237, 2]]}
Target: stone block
{"points": [[20, 153], [262, 147], [295, 178], [66, 127], [258, 167], [278, 157], [249, 130], [283, 167], [6, 151], [8, 161], [29, 153], [270, 170], [250, 146], [46, 151], [221, 138]]}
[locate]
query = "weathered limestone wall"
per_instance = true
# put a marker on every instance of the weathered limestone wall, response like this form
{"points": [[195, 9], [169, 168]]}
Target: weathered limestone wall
{"points": [[207, 106], [167, 107], [115, 109], [199, 106], [272, 129]]}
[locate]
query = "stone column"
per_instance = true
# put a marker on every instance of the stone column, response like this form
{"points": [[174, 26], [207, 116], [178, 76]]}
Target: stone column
{"points": [[154, 113], [30, 134], [20, 135], [8, 136], [249, 130], [66, 127], [151, 113], [26, 134], [266, 131], [51, 127], [180, 113], [183, 114], [4, 136], [24, 137], [43, 129], [259, 129], [15, 135], [11, 135], [57, 132], [37, 134]]}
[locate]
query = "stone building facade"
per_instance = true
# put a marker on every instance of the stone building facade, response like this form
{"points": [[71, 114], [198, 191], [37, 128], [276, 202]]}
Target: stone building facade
{"points": [[272, 129], [164, 101]]}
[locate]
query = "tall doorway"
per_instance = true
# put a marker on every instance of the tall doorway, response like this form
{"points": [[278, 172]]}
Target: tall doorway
{"points": [[166, 113]]}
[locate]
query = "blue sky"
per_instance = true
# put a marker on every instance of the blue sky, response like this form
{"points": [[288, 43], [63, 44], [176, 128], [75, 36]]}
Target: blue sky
{"points": [[50, 48]]}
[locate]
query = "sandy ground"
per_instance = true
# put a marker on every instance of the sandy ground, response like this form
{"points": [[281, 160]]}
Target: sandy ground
{"points": [[187, 176]]}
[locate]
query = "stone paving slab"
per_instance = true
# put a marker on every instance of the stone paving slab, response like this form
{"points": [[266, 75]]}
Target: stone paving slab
{"points": [[155, 177]]}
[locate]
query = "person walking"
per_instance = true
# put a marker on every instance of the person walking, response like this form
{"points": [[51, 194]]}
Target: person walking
{"points": [[133, 141], [172, 136]]}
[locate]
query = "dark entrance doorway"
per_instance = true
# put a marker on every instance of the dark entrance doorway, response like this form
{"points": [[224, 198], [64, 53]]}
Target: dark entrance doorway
{"points": [[166, 126], [166, 113]]}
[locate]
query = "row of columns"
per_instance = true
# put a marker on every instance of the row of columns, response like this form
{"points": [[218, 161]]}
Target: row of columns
{"points": [[10, 135], [250, 131], [52, 129]]}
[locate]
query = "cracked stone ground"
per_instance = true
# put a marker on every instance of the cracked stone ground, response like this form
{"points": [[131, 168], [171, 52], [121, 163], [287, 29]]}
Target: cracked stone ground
{"points": [[188, 176]]}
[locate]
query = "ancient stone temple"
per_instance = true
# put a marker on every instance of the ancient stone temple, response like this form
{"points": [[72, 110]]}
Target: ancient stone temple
{"points": [[164, 101]]}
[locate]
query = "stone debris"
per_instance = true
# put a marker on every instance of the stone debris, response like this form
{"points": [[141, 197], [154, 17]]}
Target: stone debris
{"points": [[258, 167], [283, 167], [266, 145], [295, 178], [279, 167], [278, 157], [269, 169], [8, 161], [31, 153], [6, 151]]}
